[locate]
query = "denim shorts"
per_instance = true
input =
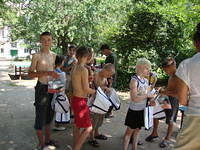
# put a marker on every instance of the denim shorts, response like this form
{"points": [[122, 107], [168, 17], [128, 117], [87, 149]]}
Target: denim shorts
{"points": [[171, 114], [43, 111]]}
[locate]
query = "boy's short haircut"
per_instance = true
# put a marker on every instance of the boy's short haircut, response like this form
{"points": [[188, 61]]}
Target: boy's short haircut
{"points": [[45, 34], [169, 61], [59, 60], [109, 66], [104, 46], [82, 52], [71, 47]]}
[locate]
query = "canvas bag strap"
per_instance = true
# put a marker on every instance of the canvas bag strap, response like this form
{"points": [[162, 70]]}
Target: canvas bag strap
{"points": [[107, 99], [98, 108], [58, 101]]}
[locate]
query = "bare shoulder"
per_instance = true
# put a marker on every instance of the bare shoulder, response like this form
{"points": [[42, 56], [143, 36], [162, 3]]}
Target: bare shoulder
{"points": [[79, 69], [173, 78], [53, 55], [132, 84], [36, 55], [83, 69], [172, 82]]}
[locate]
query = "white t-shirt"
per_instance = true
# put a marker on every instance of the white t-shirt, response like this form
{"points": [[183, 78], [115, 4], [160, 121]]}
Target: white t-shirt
{"points": [[189, 72]]}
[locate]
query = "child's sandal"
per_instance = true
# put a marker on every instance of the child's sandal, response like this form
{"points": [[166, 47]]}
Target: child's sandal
{"points": [[93, 143]]}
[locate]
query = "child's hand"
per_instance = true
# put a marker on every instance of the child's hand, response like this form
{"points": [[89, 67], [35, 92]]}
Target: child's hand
{"points": [[166, 105], [107, 90], [62, 90], [161, 91], [53, 74], [150, 95], [152, 103]]}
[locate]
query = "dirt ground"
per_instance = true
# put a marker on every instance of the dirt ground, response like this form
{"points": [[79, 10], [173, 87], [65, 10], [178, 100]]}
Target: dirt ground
{"points": [[17, 119]]}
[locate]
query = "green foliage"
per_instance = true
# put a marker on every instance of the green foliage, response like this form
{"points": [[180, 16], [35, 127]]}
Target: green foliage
{"points": [[123, 79], [133, 28], [149, 32], [155, 30], [78, 22], [100, 60]]}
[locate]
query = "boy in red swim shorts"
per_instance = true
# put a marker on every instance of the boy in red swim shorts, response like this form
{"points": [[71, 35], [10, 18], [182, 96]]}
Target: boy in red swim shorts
{"points": [[81, 90]]}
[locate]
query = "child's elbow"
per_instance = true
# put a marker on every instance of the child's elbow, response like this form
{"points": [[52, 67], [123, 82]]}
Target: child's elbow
{"points": [[133, 99], [87, 90], [30, 74], [183, 102]]}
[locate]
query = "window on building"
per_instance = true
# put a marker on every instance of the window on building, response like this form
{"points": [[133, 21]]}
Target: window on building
{"points": [[14, 44], [3, 36], [26, 50], [2, 50]]}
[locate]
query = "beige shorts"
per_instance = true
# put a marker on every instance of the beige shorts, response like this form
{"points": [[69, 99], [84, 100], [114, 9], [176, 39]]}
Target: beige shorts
{"points": [[97, 119], [189, 136]]}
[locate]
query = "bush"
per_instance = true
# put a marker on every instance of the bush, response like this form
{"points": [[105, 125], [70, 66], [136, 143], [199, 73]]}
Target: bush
{"points": [[123, 80]]}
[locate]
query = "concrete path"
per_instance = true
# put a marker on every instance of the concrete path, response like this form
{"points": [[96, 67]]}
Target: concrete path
{"points": [[17, 119]]}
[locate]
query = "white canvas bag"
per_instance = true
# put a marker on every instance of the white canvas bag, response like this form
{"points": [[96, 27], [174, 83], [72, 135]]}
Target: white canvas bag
{"points": [[158, 111], [115, 99], [101, 102], [148, 117], [60, 102]]}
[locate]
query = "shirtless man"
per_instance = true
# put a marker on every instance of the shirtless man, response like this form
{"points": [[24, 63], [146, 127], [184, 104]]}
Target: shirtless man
{"points": [[169, 66], [80, 85], [97, 119], [42, 66]]}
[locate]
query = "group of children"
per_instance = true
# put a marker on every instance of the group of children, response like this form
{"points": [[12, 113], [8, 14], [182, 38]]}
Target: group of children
{"points": [[81, 82]]}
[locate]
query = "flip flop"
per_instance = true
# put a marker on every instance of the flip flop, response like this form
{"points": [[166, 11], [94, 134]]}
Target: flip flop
{"points": [[163, 144], [93, 143], [150, 138], [101, 137]]}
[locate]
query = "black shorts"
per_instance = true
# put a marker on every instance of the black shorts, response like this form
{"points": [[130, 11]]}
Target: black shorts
{"points": [[135, 119], [171, 114], [43, 111]]}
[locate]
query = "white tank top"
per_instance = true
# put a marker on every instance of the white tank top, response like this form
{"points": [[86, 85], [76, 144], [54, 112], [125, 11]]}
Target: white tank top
{"points": [[142, 88]]}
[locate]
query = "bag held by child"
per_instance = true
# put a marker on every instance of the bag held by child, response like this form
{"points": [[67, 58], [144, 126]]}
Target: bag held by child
{"points": [[60, 103], [102, 103]]}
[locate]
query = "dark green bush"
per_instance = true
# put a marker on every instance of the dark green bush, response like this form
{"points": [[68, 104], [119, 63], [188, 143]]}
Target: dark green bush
{"points": [[123, 79]]}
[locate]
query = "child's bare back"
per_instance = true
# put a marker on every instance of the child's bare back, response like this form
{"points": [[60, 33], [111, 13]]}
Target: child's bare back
{"points": [[80, 83], [79, 77]]}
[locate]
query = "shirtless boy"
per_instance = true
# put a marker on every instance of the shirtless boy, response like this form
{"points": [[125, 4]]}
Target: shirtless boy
{"points": [[169, 66], [80, 85], [42, 66], [97, 119]]}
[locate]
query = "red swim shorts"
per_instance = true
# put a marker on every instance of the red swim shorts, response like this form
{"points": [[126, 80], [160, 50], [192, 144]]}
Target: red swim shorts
{"points": [[81, 112]]}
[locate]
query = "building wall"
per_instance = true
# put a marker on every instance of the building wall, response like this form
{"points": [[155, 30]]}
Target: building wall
{"points": [[7, 47]]}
